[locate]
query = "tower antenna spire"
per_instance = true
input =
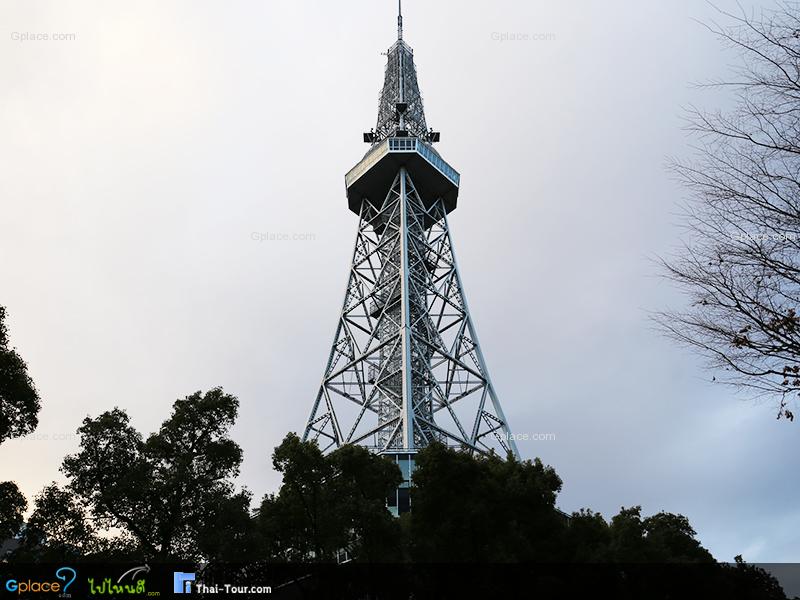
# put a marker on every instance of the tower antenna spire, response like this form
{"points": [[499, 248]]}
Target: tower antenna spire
{"points": [[399, 19]]}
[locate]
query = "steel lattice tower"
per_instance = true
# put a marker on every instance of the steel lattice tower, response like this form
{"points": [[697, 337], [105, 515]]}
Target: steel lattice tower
{"points": [[405, 368]]}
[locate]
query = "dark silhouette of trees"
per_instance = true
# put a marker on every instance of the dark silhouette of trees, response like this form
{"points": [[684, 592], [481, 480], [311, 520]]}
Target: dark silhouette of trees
{"points": [[660, 538], [484, 509], [19, 410], [750, 581], [465, 508], [12, 507], [171, 495], [478, 524], [588, 536], [60, 529], [328, 504], [740, 265], [631, 538], [18, 396]]}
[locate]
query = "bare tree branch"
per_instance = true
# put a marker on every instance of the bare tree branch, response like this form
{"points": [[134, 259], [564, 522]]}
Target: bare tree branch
{"points": [[740, 261]]}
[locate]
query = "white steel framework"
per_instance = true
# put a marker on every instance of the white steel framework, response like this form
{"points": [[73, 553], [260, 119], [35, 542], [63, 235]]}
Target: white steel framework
{"points": [[406, 368]]}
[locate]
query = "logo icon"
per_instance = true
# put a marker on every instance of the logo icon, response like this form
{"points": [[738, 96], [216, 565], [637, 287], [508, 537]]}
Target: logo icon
{"points": [[63, 573], [182, 582], [29, 586]]}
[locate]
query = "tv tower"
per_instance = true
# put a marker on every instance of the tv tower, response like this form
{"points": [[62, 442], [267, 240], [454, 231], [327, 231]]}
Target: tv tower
{"points": [[405, 368]]}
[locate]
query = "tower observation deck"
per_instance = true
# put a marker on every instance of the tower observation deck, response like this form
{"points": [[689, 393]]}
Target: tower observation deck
{"points": [[405, 368]]}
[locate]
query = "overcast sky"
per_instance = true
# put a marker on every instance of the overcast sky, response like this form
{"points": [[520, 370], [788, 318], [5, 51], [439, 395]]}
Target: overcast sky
{"points": [[139, 156]]}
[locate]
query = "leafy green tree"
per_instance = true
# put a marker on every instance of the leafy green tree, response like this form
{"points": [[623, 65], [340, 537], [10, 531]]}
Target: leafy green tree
{"points": [[483, 509], [166, 492], [331, 503]]}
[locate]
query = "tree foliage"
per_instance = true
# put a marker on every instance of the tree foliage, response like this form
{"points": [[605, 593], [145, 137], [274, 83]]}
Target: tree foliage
{"points": [[19, 400], [12, 508], [169, 492], [483, 509], [19, 410], [740, 265], [330, 503], [660, 538], [478, 511], [60, 529]]}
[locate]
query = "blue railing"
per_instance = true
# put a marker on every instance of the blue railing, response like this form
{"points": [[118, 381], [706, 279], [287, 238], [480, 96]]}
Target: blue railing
{"points": [[438, 162]]}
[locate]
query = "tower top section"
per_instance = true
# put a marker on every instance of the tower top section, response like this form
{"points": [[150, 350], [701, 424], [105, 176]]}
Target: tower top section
{"points": [[401, 139], [400, 111]]}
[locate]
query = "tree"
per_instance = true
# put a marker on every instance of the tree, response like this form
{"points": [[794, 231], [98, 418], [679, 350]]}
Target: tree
{"points": [[227, 532], [294, 520], [751, 581], [60, 529], [740, 265], [483, 509], [630, 538], [361, 483], [660, 538], [330, 503], [19, 400], [670, 538], [588, 537], [19, 410], [168, 492], [12, 507]]}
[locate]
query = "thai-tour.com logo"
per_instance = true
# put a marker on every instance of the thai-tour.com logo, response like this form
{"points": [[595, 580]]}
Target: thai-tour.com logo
{"points": [[58, 584], [184, 583]]}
